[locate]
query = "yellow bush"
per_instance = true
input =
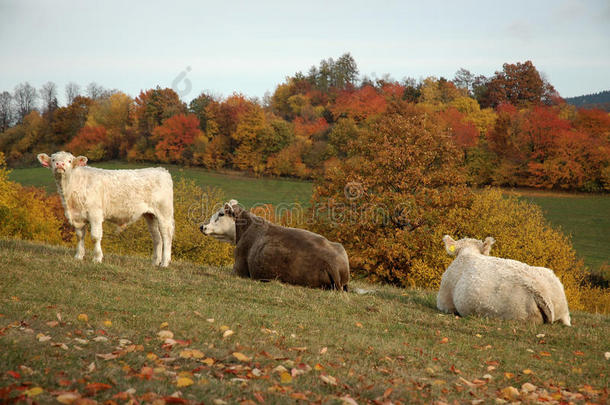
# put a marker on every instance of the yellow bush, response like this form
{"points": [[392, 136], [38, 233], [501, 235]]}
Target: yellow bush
{"points": [[191, 207], [25, 212]]}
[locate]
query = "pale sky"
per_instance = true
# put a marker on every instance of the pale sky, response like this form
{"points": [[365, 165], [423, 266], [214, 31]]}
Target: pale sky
{"points": [[251, 46]]}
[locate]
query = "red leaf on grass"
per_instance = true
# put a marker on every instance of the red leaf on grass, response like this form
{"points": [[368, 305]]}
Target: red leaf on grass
{"points": [[93, 388], [13, 374]]}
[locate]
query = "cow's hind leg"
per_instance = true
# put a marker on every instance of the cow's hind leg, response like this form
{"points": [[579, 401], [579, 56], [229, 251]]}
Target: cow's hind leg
{"points": [[96, 237], [80, 246], [153, 227], [166, 227]]}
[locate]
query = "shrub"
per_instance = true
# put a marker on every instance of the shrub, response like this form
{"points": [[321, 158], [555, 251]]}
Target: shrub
{"points": [[25, 213]]}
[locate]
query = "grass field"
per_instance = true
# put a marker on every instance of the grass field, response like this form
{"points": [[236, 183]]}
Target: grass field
{"points": [[73, 330], [585, 217]]}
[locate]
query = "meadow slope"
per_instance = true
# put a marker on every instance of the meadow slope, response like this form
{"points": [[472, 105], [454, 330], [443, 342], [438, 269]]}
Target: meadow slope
{"points": [[73, 329]]}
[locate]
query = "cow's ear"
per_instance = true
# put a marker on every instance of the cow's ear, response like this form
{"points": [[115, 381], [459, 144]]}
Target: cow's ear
{"points": [[487, 244], [229, 210], [44, 159], [450, 245], [233, 202], [80, 161]]}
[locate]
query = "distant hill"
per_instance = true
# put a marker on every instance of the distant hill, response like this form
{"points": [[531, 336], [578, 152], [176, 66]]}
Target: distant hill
{"points": [[599, 100]]}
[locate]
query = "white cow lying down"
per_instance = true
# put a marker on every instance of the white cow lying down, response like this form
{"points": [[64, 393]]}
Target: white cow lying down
{"points": [[478, 284], [120, 196]]}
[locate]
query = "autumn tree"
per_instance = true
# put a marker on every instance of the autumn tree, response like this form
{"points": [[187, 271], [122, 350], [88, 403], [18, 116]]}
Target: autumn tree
{"points": [[67, 121], [385, 198], [519, 84], [115, 114], [91, 141], [175, 137]]}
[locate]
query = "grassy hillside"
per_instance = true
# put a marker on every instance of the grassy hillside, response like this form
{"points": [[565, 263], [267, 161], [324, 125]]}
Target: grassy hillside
{"points": [[70, 329]]}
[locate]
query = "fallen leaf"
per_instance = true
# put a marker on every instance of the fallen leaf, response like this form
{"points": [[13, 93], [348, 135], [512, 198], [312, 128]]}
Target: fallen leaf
{"points": [[208, 361], [280, 369], [91, 367], [540, 335], [227, 333], [578, 353], [183, 382], [508, 376], [67, 398], [444, 340], [358, 324], [100, 339], [34, 391], [14, 374], [224, 328], [83, 317], [93, 388], [328, 379], [285, 377], [318, 367], [528, 387], [191, 354], [510, 393], [527, 371], [210, 320], [107, 322], [323, 350], [165, 334], [241, 357], [42, 337], [348, 400], [607, 355], [81, 341], [163, 325], [107, 356], [52, 324]]}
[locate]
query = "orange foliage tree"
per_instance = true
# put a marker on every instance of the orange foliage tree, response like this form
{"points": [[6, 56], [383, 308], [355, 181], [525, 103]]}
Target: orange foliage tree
{"points": [[175, 137]]}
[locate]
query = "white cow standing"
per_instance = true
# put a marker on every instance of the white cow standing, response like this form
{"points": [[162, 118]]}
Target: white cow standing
{"points": [[478, 284], [91, 195]]}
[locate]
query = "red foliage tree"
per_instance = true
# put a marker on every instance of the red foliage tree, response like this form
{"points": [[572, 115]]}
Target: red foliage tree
{"points": [[91, 141], [175, 137], [359, 104]]}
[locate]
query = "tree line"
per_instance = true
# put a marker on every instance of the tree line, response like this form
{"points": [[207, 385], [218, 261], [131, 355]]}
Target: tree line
{"points": [[511, 129]]}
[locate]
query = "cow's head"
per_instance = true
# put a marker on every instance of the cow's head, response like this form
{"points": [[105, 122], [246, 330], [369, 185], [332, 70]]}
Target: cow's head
{"points": [[221, 225], [453, 247], [61, 163]]}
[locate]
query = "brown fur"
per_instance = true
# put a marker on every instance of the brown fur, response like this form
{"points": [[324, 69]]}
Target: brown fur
{"points": [[265, 251]]}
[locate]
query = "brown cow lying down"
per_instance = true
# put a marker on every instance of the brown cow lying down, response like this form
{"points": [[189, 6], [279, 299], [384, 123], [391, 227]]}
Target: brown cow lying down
{"points": [[265, 251]]}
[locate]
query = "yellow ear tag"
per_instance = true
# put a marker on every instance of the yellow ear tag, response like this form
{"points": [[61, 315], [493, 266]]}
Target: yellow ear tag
{"points": [[452, 248]]}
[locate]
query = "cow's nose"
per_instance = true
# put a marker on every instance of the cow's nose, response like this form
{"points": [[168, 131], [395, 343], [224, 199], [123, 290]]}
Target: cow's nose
{"points": [[202, 228]]}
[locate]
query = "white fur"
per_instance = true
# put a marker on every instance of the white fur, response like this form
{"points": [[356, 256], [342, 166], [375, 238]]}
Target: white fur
{"points": [[478, 284], [91, 195], [221, 226]]}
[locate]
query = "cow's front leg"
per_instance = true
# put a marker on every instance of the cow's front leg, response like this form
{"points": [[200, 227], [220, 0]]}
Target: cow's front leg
{"points": [[96, 237], [80, 247]]}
